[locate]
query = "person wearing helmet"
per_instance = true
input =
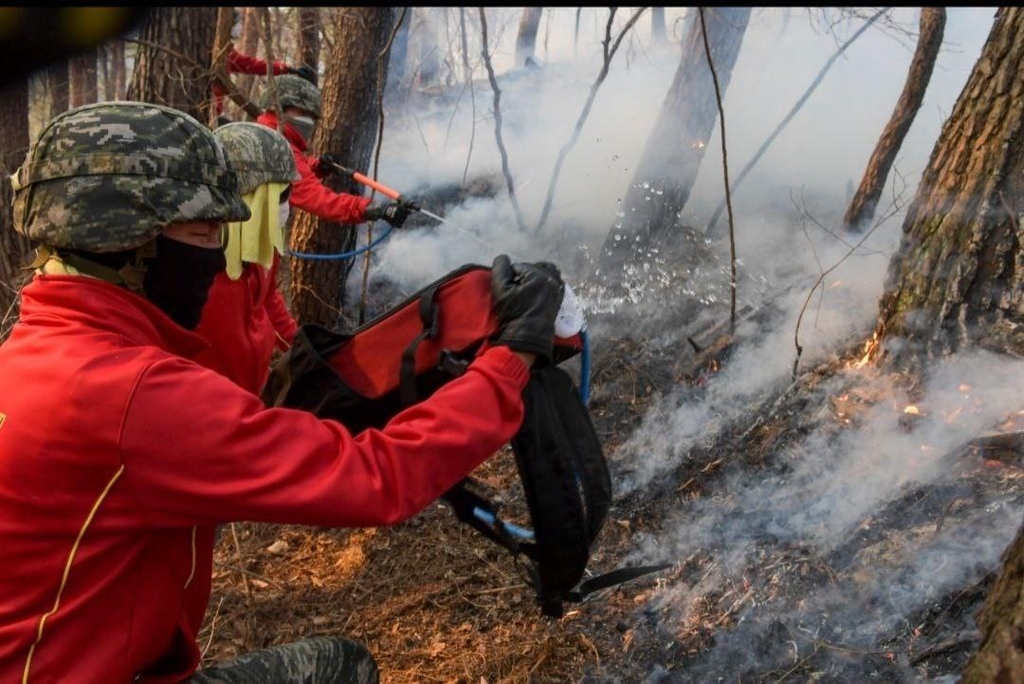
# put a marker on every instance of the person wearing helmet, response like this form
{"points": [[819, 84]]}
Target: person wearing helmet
{"points": [[120, 454], [298, 102], [245, 317]]}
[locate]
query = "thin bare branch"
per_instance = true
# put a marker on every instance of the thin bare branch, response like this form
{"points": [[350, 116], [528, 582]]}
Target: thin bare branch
{"points": [[497, 121], [725, 171], [609, 52]]}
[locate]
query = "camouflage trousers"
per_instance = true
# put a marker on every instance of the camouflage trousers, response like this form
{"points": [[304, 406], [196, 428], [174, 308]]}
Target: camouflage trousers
{"points": [[318, 660]]}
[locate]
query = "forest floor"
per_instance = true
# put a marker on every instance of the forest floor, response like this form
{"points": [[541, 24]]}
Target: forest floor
{"points": [[437, 602]]}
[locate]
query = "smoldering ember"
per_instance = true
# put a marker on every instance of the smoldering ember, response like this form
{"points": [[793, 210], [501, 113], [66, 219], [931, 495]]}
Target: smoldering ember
{"points": [[791, 240]]}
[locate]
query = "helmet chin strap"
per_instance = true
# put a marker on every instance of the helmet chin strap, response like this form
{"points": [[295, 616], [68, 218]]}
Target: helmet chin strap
{"points": [[130, 275]]}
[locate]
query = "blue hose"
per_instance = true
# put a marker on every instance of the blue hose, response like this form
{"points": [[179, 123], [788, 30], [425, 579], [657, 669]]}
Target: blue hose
{"points": [[510, 528], [585, 368], [343, 255]]}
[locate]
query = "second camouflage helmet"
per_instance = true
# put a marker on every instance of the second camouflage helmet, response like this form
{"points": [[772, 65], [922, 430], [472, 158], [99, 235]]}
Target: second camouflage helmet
{"points": [[109, 176], [292, 91], [258, 154]]}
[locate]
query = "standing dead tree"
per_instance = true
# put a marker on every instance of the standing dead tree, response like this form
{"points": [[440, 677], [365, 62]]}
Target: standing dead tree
{"points": [[862, 207], [668, 168]]}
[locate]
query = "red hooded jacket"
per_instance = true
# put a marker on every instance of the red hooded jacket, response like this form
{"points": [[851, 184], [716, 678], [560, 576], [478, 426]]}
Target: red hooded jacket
{"points": [[119, 455], [245, 320], [309, 193]]}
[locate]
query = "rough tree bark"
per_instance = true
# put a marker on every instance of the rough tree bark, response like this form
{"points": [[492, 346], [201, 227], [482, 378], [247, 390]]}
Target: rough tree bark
{"points": [[308, 48], [57, 79], [958, 276], [14, 248], [675, 147], [84, 88], [1000, 656], [862, 206], [347, 129], [526, 40], [172, 63], [965, 236]]}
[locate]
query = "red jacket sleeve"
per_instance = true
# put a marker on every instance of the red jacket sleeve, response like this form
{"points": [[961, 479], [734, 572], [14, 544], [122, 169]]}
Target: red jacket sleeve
{"points": [[244, 64], [284, 325], [310, 194], [221, 456]]}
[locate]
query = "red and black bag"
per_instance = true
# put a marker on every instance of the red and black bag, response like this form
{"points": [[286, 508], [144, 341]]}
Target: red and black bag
{"points": [[364, 378]]}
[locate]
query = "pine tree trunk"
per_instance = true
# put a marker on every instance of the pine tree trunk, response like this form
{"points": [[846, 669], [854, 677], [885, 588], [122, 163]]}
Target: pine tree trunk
{"points": [[14, 248], [347, 128], [958, 276], [526, 41], [58, 83], [1000, 656], [676, 144], [862, 208], [84, 83], [308, 51], [172, 63]]}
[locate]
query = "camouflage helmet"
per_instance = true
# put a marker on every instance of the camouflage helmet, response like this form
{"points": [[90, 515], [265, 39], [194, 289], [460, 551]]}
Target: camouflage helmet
{"points": [[259, 154], [292, 91], [109, 176]]}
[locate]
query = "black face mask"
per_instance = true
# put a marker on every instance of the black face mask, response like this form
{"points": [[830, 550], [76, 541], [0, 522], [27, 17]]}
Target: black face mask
{"points": [[179, 277]]}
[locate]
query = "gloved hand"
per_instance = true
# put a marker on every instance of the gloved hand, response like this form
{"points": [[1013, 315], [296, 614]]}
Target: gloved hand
{"points": [[394, 213], [526, 298], [305, 71], [325, 165]]}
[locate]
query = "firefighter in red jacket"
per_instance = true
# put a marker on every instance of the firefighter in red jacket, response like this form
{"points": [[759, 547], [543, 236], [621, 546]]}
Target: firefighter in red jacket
{"points": [[245, 318], [299, 102], [119, 454], [237, 63]]}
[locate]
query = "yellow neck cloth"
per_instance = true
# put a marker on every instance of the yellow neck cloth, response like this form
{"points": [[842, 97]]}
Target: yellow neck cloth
{"points": [[255, 240]]}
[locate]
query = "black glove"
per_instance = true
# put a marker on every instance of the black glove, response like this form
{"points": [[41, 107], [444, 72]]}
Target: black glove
{"points": [[395, 213], [526, 299], [305, 71], [325, 165]]}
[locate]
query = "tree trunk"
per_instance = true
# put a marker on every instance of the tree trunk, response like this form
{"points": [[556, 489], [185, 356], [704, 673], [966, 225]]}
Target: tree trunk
{"points": [[57, 78], [526, 41], [308, 51], [14, 248], [862, 208], [348, 129], [658, 24], [84, 84], [675, 147], [172, 63], [248, 45], [396, 89], [958, 276], [423, 38], [116, 70], [1000, 656]]}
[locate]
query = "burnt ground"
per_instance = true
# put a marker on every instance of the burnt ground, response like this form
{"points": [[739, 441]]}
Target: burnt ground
{"points": [[436, 602]]}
